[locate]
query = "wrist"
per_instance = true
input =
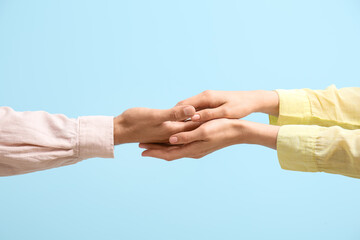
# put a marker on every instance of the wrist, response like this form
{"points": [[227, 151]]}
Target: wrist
{"points": [[242, 132], [266, 102], [120, 136], [257, 133]]}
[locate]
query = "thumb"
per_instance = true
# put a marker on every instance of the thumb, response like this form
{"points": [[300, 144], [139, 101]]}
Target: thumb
{"points": [[187, 137], [178, 113], [209, 114]]}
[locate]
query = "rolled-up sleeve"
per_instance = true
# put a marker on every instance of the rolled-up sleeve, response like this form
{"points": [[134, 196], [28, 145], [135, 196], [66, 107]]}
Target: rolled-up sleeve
{"points": [[311, 148], [34, 141]]}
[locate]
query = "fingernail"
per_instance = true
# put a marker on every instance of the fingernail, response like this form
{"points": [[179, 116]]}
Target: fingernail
{"points": [[196, 117], [173, 140], [141, 146], [189, 111]]}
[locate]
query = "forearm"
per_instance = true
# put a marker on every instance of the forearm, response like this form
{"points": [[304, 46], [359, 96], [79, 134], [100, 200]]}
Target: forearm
{"points": [[311, 148], [266, 102], [33, 141], [257, 133], [329, 107]]}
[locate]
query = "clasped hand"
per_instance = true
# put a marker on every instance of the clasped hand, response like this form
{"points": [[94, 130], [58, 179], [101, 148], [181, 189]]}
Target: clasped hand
{"points": [[214, 124]]}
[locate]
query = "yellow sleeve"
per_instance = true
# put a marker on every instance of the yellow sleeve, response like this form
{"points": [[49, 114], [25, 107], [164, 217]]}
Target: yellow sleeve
{"points": [[330, 107], [311, 148]]}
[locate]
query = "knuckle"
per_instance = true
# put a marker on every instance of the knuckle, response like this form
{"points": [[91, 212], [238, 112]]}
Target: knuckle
{"points": [[205, 133], [181, 103], [208, 93], [174, 115], [169, 158], [204, 115], [226, 112], [184, 138], [168, 127], [166, 157], [208, 114]]}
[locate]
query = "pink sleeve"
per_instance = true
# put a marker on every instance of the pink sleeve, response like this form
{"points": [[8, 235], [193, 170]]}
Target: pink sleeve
{"points": [[33, 141]]}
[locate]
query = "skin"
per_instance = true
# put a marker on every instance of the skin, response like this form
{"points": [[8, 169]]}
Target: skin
{"points": [[211, 136], [152, 125], [218, 111], [232, 104]]}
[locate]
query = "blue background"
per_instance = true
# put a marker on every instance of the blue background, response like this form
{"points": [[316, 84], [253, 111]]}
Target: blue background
{"points": [[102, 57]]}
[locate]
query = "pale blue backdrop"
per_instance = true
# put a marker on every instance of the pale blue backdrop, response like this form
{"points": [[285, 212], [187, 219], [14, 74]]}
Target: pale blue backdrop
{"points": [[102, 57]]}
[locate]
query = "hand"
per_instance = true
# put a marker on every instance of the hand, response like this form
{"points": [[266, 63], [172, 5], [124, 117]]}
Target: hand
{"points": [[211, 136], [152, 125], [232, 104]]}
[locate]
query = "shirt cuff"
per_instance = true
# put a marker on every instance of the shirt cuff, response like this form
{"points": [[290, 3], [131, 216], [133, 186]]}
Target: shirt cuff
{"points": [[296, 147], [294, 108], [96, 137]]}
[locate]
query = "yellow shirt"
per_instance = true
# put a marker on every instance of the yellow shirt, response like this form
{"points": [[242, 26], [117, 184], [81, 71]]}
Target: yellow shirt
{"points": [[320, 130]]}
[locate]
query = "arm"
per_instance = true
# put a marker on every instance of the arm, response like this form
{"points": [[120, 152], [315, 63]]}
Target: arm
{"points": [[311, 148], [307, 148], [33, 141], [211, 136], [330, 107]]}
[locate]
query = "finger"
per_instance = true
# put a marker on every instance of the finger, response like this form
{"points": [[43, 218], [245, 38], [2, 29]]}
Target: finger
{"points": [[172, 154], [203, 100], [152, 145], [162, 154], [197, 101], [187, 137], [157, 146], [184, 126], [178, 113], [209, 114]]}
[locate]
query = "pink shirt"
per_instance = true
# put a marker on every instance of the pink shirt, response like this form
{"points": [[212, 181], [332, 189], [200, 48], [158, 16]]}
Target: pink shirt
{"points": [[33, 141]]}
